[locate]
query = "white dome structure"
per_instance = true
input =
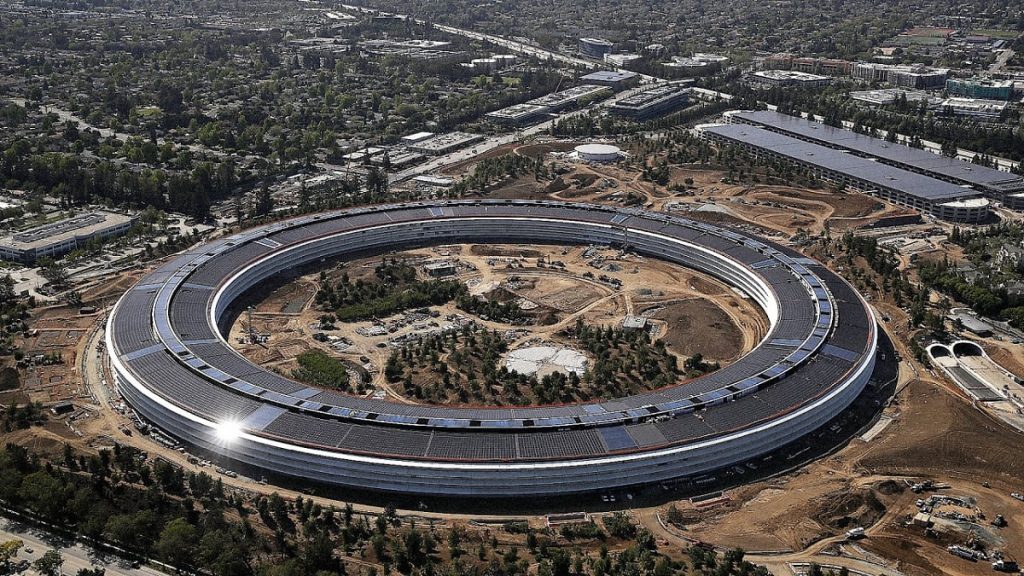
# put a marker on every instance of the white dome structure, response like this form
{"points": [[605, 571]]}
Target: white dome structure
{"points": [[599, 152]]}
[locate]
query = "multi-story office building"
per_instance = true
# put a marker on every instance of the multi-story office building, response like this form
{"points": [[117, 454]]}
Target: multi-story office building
{"points": [[595, 48], [653, 101], [985, 88]]}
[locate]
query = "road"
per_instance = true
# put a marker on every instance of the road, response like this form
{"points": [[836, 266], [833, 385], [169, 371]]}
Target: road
{"points": [[778, 563], [511, 45], [76, 556], [529, 50], [496, 141]]}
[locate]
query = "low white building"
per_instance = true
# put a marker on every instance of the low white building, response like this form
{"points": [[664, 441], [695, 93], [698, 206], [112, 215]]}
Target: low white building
{"points": [[598, 152], [974, 107]]}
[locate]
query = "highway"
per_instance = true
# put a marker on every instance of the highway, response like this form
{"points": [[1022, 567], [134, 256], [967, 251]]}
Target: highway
{"points": [[510, 45], [1004, 56]]}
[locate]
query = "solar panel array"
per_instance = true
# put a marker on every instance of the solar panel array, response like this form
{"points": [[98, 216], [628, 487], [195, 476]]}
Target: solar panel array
{"points": [[890, 153], [873, 173]]}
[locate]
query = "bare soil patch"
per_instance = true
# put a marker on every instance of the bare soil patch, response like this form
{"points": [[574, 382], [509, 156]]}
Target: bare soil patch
{"points": [[504, 251], [938, 434], [1004, 358], [290, 298], [540, 150], [697, 327], [522, 188], [844, 205], [564, 294]]}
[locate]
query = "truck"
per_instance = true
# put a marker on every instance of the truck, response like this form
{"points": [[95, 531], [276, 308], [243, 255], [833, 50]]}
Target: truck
{"points": [[963, 552], [1005, 566]]}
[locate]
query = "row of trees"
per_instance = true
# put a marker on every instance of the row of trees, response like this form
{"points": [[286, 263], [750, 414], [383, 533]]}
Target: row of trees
{"points": [[464, 365], [14, 310], [504, 312], [149, 511], [588, 125], [74, 182], [491, 170], [625, 361], [989, 301], [190, 521]]}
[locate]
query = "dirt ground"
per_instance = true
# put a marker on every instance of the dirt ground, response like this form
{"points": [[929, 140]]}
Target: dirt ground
{"points": [[1009, 356], [781, 208], [934, 435], [554, 283], [720, 339], [51, 351], [774, 208]]}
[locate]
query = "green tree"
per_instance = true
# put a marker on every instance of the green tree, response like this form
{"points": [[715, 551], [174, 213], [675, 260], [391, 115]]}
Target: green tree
{"points": [[177, 543], [53, 272], [9, 550], [264, 202], [49, 564], [223, 555], [44, 494]]}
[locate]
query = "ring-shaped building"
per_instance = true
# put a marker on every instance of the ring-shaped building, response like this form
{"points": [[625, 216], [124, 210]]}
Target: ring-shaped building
{"points": [[172, 364]]}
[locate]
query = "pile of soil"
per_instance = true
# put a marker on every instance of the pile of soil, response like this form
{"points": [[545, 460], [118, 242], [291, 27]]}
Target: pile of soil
{"points": [[501, 294], [584, 180], [842, 510], [556, 185]]}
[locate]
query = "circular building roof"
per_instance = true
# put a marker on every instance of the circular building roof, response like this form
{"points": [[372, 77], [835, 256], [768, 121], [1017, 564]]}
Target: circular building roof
{"points": [[598, 150], [173, 364]]}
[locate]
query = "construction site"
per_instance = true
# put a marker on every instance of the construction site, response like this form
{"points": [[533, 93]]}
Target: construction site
{"points": [[933, 479], [554, 285]]}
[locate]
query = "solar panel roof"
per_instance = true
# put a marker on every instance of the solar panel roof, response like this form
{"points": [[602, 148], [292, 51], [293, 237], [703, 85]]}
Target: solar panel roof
{"points": [[872, 172], [890, 152]]}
